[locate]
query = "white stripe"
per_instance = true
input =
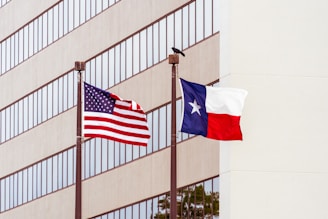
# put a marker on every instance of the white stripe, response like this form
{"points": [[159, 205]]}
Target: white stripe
{"points": [[116, 118], [133, 112], [117, 127], [116, 135], [129, 112], [134, 105], [225, 100]]}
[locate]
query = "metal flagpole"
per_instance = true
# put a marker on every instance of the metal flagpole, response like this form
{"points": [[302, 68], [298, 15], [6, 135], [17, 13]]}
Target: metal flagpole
{"points": [[173, 59], [79, 66]]}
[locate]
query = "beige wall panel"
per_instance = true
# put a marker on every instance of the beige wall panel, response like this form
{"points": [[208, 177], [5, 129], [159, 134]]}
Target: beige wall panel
{"points": [[201, 64], [272, 195], [56, 205], [282, 162], [277, 51], [284, 124], [155, 84], [40, 142], [127, 184], [15, 14], [98, 34], [279, 37], [197, 159], [150, 176]]}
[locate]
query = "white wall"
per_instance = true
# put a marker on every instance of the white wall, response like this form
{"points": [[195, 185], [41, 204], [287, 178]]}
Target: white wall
{"points": [[276, 50]]}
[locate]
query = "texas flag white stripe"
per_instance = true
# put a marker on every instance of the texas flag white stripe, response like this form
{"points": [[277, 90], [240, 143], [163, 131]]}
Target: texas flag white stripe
{"points": [[225, 100]]}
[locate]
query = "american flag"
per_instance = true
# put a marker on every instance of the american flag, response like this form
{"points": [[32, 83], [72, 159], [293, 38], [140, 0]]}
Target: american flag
{"points": [[106, 115]]}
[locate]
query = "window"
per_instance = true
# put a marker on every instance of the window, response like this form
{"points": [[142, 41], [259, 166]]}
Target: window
{"points": [[113, 66], [199, 200]]}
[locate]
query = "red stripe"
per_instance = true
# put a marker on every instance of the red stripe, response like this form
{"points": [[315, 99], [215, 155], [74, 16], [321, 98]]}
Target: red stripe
{"points": [[106, 128], [102, 119], [223, 127], [115, 96], [116, 139]]}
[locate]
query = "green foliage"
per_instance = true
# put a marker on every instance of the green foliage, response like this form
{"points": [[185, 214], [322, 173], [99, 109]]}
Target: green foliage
{"points": [[194, 203]]}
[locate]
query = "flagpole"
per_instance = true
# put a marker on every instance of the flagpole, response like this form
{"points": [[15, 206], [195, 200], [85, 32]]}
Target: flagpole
{"points": [[79, 66], [173, 59]]}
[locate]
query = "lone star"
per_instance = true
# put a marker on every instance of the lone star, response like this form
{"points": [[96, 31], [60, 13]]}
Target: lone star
{"points": [[195, 107]]}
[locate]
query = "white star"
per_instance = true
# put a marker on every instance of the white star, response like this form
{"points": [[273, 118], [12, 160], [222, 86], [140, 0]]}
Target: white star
{"points": [[195, 107]]}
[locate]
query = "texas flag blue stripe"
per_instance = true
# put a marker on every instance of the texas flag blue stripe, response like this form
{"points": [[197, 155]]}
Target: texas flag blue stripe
{"points": [[194, 94]]}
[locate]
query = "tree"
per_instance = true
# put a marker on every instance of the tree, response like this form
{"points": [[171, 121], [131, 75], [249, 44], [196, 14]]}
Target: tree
{"points": [[193, 202]]}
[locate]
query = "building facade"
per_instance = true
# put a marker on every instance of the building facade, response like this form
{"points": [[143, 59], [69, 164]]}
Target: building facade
{"points": [[125, 45], [274, 49]]}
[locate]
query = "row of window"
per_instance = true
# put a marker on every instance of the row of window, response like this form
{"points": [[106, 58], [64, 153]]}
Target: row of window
{"points": [[42, 178], [99, 155], [3, 2], [197, 201], [38, 107], [182, 28], [50, 26]]}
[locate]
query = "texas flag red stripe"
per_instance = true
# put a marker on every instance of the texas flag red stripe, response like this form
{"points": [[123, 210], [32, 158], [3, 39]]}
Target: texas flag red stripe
{"points": [[223, 127]]}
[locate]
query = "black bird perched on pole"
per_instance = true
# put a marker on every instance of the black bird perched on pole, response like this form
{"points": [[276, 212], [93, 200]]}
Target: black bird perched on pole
{"points": [[175, 50]]}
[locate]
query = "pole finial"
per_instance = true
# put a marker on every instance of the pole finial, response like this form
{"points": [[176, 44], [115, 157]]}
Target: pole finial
{"points": [[174, 59], [79, 66]]}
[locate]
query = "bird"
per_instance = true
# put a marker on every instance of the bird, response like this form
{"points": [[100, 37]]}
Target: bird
{"points": [[175, 50]]}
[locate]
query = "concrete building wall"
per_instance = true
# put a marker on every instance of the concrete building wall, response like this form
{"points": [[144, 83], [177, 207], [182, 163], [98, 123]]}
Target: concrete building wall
{"points": [[274, 49], [38, 143], [96, 35], [56, 205], [277, 51], [150, 89], [130, 183], [135, 181], [149, 176], [15, 14]]}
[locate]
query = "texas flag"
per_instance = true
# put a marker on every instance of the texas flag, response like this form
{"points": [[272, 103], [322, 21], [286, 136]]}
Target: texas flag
{"points": [[212, 112]]}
